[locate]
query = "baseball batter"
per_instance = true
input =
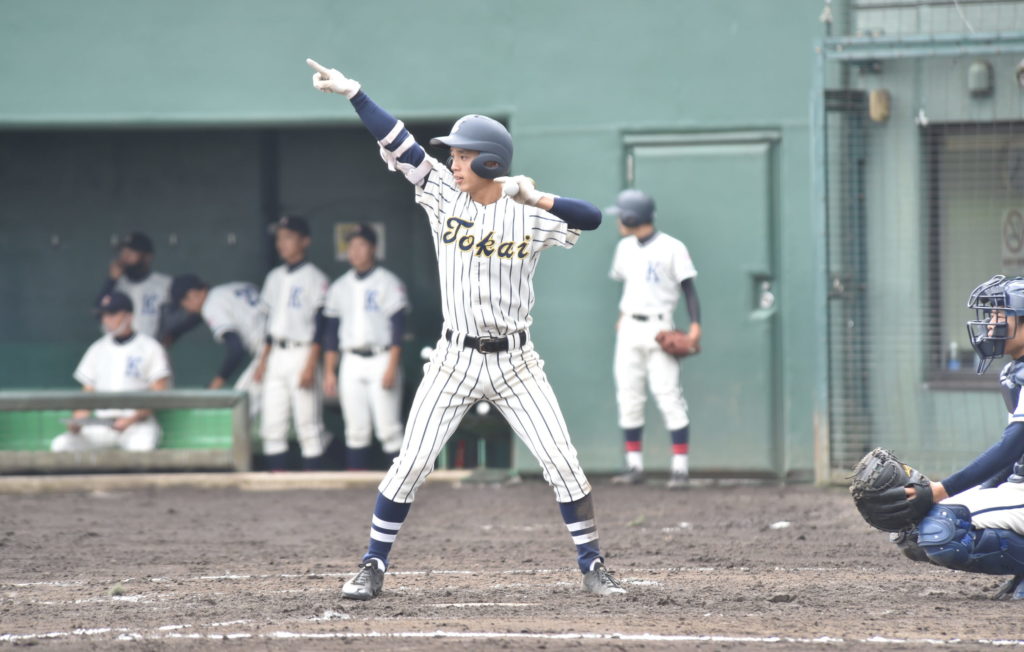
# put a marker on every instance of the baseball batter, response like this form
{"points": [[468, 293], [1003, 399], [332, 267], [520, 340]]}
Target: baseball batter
{"points": [[365, 312], [123, 360], [293, 298], [131, 272], [655, 269], [977, 524], [233, 313], [488, 244]]}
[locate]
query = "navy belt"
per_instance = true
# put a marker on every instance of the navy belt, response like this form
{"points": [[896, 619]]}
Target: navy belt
{"points": [[365, 353], [645, 317], [487, 344]]}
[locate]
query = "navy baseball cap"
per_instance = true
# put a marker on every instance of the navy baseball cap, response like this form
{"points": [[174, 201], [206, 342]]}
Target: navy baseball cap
{"points": [[182, 284], [115, 302], [138, 241], [364, 231], [293, 223]]}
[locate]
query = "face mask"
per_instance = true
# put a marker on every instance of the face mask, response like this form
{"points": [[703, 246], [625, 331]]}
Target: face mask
{"points": [[136, 272]]}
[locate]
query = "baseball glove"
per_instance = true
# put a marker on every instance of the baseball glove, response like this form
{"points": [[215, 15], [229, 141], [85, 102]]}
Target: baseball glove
{"points": [[676, 343], [878, 487]]}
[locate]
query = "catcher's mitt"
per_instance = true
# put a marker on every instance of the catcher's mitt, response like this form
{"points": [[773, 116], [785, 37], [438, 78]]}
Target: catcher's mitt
{"points": [[676, 343], [878, 488]]}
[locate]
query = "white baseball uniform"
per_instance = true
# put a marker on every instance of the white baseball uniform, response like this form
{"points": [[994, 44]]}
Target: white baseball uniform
{"points": [[112, 366], [147, 295], [236, 307], [486, 259], [291, 298], [364, 305], [651, 273]]}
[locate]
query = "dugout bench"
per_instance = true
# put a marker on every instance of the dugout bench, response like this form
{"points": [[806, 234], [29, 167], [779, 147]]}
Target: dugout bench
{"points": [[202, 430]]}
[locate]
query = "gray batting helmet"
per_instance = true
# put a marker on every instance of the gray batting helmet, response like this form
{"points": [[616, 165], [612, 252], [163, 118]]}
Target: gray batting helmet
{"points": [[485, 135], [633, 208]]}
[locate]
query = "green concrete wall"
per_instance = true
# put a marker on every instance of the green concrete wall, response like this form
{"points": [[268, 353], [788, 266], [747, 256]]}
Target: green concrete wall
{"points": [[571, 78]]}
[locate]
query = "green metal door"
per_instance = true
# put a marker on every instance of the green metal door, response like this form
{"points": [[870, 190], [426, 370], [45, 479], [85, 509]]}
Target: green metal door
{"points": [[713, 192]]}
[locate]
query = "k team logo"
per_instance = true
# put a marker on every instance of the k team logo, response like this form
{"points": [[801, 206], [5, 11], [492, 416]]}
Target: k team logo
{"points": [[487, 246]]}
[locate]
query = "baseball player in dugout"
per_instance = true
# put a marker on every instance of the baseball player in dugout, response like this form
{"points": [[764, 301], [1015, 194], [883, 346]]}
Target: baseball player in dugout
{"points": [[131, 272], [293, 298], [123, 360], [655, 269], [365, 311], [974, 519], [489, 230], [233, 313]]}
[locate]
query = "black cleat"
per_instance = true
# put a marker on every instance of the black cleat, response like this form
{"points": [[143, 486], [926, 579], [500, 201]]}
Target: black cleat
{"points": [[1011, 589], [678, 481], [367, 583], [599, 581]]}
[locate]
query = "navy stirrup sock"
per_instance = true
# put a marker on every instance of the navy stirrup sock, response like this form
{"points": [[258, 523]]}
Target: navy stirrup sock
{"points": [[579, 519], [388, 517], [358, 458]]}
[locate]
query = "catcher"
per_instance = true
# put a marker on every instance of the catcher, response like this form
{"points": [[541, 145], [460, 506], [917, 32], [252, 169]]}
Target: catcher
{"points": [[655, 269], [973, 520]]}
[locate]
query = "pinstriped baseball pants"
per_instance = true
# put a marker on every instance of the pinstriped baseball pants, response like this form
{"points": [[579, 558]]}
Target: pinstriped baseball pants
{"points": [[514, 382]]}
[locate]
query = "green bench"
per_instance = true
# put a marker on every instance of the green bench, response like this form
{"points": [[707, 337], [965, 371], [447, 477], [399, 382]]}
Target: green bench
{"points": [[202, 430]]}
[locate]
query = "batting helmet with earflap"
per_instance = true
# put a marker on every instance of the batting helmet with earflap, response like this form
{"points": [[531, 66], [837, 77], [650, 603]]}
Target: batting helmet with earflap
{"points": [[485, 135], [633, 208]]}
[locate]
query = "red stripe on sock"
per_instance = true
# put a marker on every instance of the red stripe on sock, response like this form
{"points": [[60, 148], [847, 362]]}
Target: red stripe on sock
{"points": [[680, 449], [633, 446]]}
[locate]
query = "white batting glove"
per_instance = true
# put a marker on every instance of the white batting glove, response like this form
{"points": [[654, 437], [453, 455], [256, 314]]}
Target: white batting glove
{"points": [[521, 189], [330, 80]]}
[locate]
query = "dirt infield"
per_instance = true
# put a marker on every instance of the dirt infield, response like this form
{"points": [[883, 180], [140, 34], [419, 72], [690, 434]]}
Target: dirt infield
{"points": [[714, 567]]}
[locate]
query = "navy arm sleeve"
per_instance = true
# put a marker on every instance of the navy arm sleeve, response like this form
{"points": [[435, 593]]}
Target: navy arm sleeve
{"points": [[577, 213], [330, 337], [1007, 450], [692, 302], [234, 353], [398, 327], [388, 130], [321, 323]]}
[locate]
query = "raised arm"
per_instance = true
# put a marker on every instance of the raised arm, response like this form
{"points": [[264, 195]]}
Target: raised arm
{"points": [[397, 146]]}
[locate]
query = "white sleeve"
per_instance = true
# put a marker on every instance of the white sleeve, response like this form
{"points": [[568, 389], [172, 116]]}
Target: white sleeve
{"points": [[430, 195], [617, 273], [217, 317], [551, 231], [394, 296], [85, 372], [156, 365], [682, 264], [332, 304], [320, 290]]}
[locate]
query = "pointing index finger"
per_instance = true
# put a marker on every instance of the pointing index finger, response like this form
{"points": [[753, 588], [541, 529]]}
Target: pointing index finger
{"points": [[317, 67]]}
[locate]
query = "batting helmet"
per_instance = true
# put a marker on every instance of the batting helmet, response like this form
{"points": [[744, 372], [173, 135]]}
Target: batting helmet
{"points": [[485, 135], [633, 208], [1005, 298]]}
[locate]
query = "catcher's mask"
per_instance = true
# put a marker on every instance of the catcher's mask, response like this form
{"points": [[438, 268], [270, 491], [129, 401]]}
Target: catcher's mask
{"points": [[997, 303]]}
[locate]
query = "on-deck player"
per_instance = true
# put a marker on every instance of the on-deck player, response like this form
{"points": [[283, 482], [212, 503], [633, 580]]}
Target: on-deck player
{"points": [[235, 317], [131, 272], [655, 269], [365, 311], [293, 298], [123, 360], [487, 245]]}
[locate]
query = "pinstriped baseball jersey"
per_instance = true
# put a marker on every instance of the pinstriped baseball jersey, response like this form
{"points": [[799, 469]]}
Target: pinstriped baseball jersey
{"points": [[292, 298], [236, 307], [486, 255], [651, 273], [147, 296]]}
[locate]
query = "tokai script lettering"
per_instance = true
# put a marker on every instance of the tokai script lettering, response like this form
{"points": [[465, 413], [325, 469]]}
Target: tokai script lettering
{"points": [[457, 233]]}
